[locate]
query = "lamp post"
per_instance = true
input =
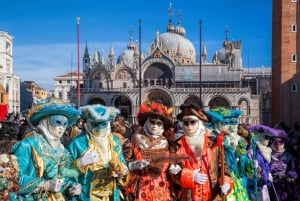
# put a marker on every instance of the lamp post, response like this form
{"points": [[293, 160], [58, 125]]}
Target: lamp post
{"points": [[78, 63], [200, 62], [140, 61]]}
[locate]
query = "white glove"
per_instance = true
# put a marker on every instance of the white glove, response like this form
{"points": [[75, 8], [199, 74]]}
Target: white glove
{"points": [[255, 163], [225, 188], [270, 177], [174, 169], [54, 185], [75, 190], [89, 157], [138, 165], [199, 177]]}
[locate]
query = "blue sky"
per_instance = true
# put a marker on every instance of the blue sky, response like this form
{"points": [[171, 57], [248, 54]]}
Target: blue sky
{"points": [[45, 36]]}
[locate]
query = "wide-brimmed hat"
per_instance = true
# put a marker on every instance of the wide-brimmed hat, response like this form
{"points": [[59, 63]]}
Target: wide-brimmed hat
{"points": [[52, 106], [99, 113], [192, 109], [281, 134], [149, 109], [263, 130], [230, 116]]}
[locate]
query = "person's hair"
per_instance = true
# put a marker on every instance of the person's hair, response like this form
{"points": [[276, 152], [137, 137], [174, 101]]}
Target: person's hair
{"points": [[118, 125]]}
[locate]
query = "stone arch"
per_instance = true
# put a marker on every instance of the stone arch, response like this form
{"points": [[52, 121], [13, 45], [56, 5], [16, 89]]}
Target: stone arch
{"points": [[124, 104], [96, 100], [157, 71], [193, 99], [123, 74], [158, 95], [244, 106], [218, 101]]}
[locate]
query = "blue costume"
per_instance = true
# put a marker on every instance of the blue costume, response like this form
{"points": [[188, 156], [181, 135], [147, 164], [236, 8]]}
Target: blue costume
{"points": [[100, 178], [39, 161]]}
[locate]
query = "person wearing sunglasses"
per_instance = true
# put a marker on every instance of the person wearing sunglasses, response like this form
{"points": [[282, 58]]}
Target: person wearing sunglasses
{"points": [[44, 163], [150, 156], [98, 155], [198, 175], [283, 169]]}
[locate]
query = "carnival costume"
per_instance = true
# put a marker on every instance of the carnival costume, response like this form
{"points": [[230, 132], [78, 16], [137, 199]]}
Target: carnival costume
{"points": [[259, 152], [224, 125], [148, 170], [98, 156], [283, 166], [9, 170], [43, 161], [204, 175]]}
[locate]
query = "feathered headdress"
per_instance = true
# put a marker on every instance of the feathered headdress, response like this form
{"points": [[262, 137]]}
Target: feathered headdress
{"points": [[148, 109]]}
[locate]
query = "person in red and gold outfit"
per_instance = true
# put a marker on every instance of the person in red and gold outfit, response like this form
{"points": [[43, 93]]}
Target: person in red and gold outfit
{"points": [[204, 175], [149, 167]]}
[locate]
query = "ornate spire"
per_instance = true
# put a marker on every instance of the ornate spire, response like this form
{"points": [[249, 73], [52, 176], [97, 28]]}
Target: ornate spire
{"points": [[131, 45], [170, 27]]}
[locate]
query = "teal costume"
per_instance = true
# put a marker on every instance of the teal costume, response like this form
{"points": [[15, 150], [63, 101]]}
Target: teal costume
{"points": [[39, 162], [100, 179], [97, 180], [220, 117]]}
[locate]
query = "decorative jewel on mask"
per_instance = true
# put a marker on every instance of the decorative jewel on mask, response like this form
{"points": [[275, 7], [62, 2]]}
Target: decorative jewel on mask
{"points": [[58, 120]]}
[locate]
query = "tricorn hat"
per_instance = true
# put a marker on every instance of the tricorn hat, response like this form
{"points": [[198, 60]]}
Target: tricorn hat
{"points": [[192, 109], [99, 113]]}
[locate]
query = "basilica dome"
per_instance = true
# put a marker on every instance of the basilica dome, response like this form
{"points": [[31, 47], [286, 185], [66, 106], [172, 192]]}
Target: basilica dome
{"points": [[176, 45]]}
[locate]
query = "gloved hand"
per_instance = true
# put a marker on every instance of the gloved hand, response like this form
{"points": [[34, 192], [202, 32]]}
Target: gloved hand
{"points": [[75, 190], [54, 185], [174, 169], [119, 174], [225, 188], [138, 165], [199, 177], [89, 157], [270, 177], [255, 162]]}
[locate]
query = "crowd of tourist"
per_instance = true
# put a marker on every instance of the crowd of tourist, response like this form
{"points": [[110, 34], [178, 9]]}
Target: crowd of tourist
{"points": [[57, 152]]}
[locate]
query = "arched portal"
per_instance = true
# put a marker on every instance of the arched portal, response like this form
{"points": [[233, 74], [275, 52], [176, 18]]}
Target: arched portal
{"points": [[96, 100], [193, 99], [218, 102], [124, 105], [159, 96]]}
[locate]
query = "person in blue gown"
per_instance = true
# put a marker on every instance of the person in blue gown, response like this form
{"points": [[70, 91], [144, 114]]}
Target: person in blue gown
{"points": [[44, 163]]}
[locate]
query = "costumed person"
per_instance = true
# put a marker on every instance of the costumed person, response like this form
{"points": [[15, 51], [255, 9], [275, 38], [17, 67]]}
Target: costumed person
{"points": [[97, 154], [245, 165], [260, 153], [148, 170], [9, 170], [44, 163], [283, 166], [77, 128], [224, 125], [118, 128], [204, 175]]}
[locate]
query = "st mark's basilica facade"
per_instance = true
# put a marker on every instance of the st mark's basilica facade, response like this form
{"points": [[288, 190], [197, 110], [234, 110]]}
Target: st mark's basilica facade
{"points": [[169, 73]]}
